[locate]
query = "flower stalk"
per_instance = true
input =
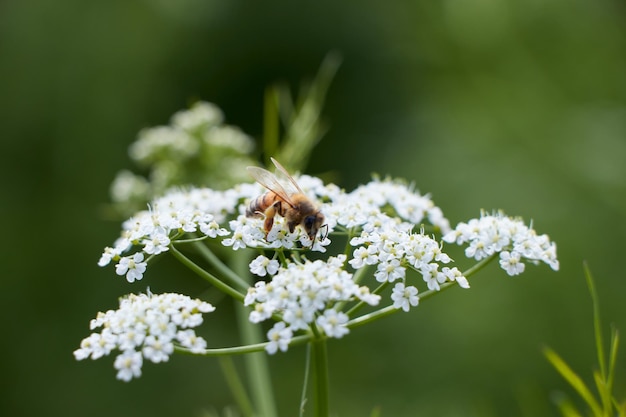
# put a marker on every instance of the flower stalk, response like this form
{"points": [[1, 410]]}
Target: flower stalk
{"points": [[257, 367], [319, 349], [236, 386], [212, 279], [223, 270]]}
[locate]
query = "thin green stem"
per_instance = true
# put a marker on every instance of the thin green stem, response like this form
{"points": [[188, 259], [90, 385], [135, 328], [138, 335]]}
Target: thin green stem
{"points": [[257, 367], [239, 350], [480, 265], [357, 277], [362, 304], [316, 332], [236, 385], [360, 273], [190, 240], [320, 367], [212, 279], [221, 267], [283, 259], [305, 384], [389, 310], [297, 257], [373, 316], [348, 248]]}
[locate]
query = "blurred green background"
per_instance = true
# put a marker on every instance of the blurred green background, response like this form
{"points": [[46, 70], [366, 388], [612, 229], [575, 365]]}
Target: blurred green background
{"points": [[511, 104]]}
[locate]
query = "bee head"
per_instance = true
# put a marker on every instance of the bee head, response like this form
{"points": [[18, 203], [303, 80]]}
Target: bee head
{"points": [[312, 224]]}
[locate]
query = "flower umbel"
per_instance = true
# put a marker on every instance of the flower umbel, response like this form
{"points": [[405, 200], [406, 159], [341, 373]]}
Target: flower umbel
{"points": [[308, 296], [303, 294], [145, 326], [510, 237]]}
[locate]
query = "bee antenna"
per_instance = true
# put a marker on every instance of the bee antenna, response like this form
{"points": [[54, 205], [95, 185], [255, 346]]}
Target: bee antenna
{"points": [[324, 234]]}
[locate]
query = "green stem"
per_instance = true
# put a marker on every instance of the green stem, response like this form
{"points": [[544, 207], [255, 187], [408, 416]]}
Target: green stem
{"points": [[257, 366], [283, 259], [239, 350], [221, 267], [480, 265], [360, 273], [362, 304], [370, 317], [212, 279], [348, 248], [389, 310], [305, 385], [236, 386], [190, 240], [320, 372]]}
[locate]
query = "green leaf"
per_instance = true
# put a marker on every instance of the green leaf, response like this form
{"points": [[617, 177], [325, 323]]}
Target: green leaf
{"points": [[612, 358], [573, 379], [596, 321], [565, 406], [605, 393]]}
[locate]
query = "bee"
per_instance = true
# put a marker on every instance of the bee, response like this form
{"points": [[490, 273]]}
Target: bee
{"points": [[292, 204]]}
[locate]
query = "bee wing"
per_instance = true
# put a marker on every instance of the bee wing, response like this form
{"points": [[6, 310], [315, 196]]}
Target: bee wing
{"points": [[286, 174], [269, 181]]}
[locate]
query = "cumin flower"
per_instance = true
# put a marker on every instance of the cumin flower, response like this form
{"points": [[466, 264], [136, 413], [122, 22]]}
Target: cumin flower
{"points": [[145, 326], [305, 294], [509, 237]]}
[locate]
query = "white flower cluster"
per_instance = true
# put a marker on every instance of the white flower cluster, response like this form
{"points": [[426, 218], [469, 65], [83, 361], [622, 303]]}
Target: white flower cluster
{"points": [[202, 211], [394, 249], [511, 238], [305, 294], [188, 132], [154, 142], [145, 326], [249, 232], [128, 187], [379, 219], [196, 147], [381, 213], [200, 115], [406, 203], [179, 212], [384, 214]]}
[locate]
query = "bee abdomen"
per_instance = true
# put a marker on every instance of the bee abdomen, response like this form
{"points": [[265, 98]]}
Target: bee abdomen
{"points": [[257, 207], [253, 208]]}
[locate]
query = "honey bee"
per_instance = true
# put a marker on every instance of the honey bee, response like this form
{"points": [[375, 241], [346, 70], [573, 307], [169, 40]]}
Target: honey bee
{"points": [[292, 204]]}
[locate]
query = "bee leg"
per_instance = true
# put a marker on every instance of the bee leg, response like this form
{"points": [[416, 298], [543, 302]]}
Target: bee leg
{"points": [[269, 216], [269, 222], [291, 226]]}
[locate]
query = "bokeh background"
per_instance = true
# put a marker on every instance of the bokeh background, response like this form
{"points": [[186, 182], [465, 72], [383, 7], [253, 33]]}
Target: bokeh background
{"points": [[486, 104]]}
